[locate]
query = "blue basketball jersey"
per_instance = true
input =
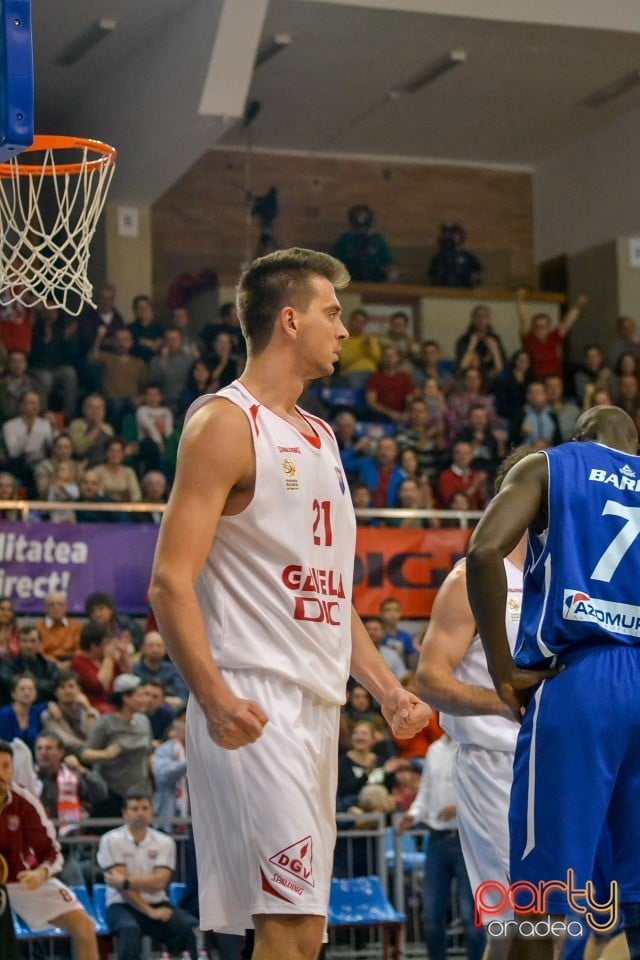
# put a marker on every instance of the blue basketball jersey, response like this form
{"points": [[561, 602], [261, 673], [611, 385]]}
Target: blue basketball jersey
{"points": [[582, 575]]}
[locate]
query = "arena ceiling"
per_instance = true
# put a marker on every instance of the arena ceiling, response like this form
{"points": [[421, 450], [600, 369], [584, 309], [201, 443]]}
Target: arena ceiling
{"points": [[174, 78]]}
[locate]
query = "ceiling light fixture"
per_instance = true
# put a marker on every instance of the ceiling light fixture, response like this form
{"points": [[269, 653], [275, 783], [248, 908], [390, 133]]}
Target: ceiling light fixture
{"points": [[271, 47], [86, 41], [435, 70], [613, 90]]}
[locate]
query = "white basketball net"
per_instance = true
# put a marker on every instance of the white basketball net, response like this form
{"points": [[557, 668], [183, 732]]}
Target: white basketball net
{"points": [[48, 216]]}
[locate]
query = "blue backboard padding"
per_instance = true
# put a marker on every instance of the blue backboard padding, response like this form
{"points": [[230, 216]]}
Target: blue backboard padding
{"points": [[16, 78]]}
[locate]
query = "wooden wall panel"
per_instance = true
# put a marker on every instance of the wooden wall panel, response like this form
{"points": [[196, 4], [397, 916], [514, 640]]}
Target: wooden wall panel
{"points": [[202, 220]]}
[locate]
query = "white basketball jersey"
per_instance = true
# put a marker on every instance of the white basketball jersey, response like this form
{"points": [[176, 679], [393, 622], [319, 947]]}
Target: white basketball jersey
{"points": [[275, 590], [487, 730]]}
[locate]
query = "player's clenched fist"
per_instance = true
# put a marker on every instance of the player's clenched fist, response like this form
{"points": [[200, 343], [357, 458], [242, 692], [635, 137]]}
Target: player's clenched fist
{"points": [[237, 723], [405, 713]]}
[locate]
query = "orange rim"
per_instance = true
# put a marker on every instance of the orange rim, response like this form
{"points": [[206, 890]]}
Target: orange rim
{"points": [[106, 156]]}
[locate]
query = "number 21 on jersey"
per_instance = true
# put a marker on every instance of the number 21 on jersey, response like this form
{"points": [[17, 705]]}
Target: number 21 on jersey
{"points": [[322, 532]]}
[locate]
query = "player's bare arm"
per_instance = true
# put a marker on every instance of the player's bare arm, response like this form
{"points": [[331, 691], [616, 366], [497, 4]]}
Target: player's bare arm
{"points": [[405, 713], [214, 477], [520, 502], [451, 629]]}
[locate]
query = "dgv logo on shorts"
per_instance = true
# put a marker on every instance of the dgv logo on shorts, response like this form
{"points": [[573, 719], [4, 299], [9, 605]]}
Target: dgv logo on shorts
{"points": [[623, 618], [296, 859]]}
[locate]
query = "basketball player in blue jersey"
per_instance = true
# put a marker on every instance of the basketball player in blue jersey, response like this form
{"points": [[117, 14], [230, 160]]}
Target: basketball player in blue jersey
{"points": [[575, 674], [252, 591]]}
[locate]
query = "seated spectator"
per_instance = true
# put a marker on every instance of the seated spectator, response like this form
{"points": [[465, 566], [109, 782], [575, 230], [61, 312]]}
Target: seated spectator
{"points": [[154, 490], [430, 365], [224, 366], [117, 480], [352, 442], [45, 471], [21, 718], [565, 411], [63, 489], [397, 335], [538, 427], [388, 391], [480, 346], [394, 660], [181, 320], [486, 452], [381, 473], [169, 767], [105, 314], [154, 423], [54, 355], [157, 709], [147, 332], [32, 857], [361, 353], [461, 476], [170, 369], [28, 440], [459, 404], [17, 381], [30, 660], [60, 635], [229, 322], [627, 340], [90, 433], [123, 376], [154, 665], [120, 744], [594, 374], [66, 789], [70, 716], [362, 499], [424, 434], [89, 486], [510, 389], [358, 766], [414, 496], [460, 501], [101, 609], [628, 396], [9, 646], [359, 704], [198, 383], [543, 342], [399, 640], [98, 663], [362, 249], [138, 864], [16, 326], [10, 490]]}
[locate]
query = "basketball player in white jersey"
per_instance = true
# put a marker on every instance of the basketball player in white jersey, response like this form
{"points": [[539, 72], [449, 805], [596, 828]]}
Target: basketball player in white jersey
{"points": [[252, 591], [453, 676]]}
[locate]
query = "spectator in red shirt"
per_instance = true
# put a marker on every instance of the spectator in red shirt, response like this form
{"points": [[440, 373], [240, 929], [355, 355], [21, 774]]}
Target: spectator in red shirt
{"points": [[542, 341], [16, 327], [388, 390], [100, 660], [461, 476], [32, 856]]}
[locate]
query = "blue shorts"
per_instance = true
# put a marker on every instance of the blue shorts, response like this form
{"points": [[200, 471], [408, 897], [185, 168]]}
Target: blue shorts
{"points": [[577, 776]]}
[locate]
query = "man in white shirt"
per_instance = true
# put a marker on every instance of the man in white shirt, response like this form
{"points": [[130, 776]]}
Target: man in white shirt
{"points": [[138, 863], [27, 439], [435, 806]]}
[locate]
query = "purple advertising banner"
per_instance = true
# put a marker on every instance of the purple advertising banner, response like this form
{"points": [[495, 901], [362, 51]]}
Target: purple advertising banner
{"points": [[78, 559]]}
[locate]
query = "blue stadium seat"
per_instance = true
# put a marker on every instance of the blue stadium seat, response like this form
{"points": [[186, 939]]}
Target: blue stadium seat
{"points": [[374, 429], [81, 892], [362, 901], [336, 398], [176, 891], [412, 858], [99, 899]]}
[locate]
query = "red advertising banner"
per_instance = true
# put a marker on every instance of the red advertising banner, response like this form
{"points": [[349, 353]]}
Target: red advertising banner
{"points": [[408, 565]]}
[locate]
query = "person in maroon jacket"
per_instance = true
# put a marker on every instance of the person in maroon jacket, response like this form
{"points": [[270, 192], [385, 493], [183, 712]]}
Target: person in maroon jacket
{"points": [[29, 857]]}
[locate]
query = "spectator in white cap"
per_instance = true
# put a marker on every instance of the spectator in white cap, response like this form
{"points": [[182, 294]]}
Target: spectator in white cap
{"points": [[120, 744]]}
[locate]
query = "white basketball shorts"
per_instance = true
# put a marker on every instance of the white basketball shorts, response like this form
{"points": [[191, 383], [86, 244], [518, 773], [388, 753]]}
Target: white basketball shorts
{"points": [[482, 783], [39, 907], [264, 818]]}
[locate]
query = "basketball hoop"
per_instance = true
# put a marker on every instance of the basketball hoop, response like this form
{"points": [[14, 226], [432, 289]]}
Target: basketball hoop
{"points": [[51, 196]]}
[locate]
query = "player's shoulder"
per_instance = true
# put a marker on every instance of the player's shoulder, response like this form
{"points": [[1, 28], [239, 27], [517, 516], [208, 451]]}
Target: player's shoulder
{"points": [[215, 419]]}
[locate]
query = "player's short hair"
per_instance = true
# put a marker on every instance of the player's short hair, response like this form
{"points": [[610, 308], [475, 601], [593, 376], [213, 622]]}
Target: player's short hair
{"points": [[516, 455], [281, 279]]}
